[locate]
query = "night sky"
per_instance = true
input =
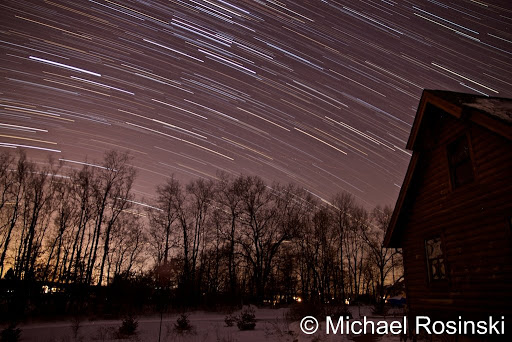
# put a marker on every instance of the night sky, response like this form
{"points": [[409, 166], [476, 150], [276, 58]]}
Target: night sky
{"points": [[318, 93]]}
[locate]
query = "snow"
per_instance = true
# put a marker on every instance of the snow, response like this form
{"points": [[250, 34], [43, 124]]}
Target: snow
{"points": [[498, 107], [271, 326]]}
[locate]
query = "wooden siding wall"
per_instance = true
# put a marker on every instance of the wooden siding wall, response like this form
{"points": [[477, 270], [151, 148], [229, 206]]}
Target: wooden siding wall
{"points": [[473, 222]]}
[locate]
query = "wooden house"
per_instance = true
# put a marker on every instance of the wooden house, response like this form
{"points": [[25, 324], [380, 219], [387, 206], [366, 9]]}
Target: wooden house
{"points": [[453, 216]]}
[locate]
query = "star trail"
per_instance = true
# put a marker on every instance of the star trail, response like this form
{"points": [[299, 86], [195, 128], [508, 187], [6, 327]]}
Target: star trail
{"points": [[319, 93]]}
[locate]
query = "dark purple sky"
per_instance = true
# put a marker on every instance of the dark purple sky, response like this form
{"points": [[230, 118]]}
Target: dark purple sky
{"points": [[319, 93]]}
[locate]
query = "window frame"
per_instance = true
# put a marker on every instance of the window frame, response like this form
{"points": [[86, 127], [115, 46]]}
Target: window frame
{"points": [[428, 259]]}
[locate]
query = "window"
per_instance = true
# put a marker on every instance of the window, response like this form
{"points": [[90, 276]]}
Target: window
{"points": [[459, 159], [435, 259]]}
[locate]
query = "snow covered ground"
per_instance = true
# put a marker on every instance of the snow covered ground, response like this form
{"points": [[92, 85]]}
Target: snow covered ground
{"points": [[271, 326]]}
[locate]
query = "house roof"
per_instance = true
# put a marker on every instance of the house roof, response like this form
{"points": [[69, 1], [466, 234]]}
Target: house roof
{"points": [[493, 113]]}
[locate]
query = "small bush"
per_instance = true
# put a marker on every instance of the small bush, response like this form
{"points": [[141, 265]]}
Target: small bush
{"points": [[247, 319], [128, 327], [229, 320], [182, 324], [11, 334]]}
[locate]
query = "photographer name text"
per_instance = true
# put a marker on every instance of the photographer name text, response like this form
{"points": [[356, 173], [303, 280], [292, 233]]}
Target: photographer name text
{"points": [[423, 325]]}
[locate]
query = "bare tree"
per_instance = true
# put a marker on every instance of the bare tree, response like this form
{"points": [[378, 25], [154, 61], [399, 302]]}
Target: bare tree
{"points": [[270, 216], [323, 254], [162, 217], [128, 240], [6, 179], [229, 195], [386, 261], [112, 195], [343, 203], [36, 215], [193, 221], [119, 195], [213, 255], [13, 189], [355, 247], [65, 210], [260, 229], [81, 188]]}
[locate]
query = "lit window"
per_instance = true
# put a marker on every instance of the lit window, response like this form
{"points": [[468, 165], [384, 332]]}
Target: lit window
{"points": [[435, 259], [459, 158]]}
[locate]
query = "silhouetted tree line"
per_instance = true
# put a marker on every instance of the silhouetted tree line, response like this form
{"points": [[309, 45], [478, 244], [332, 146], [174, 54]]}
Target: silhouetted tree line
{"points": [[79, 232]]}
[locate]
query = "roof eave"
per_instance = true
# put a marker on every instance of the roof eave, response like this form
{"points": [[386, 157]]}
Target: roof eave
{"points": [[429, 96], [390, 240]]}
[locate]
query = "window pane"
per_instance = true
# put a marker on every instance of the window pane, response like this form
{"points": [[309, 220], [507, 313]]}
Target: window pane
{"points": [[435, 259]]}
